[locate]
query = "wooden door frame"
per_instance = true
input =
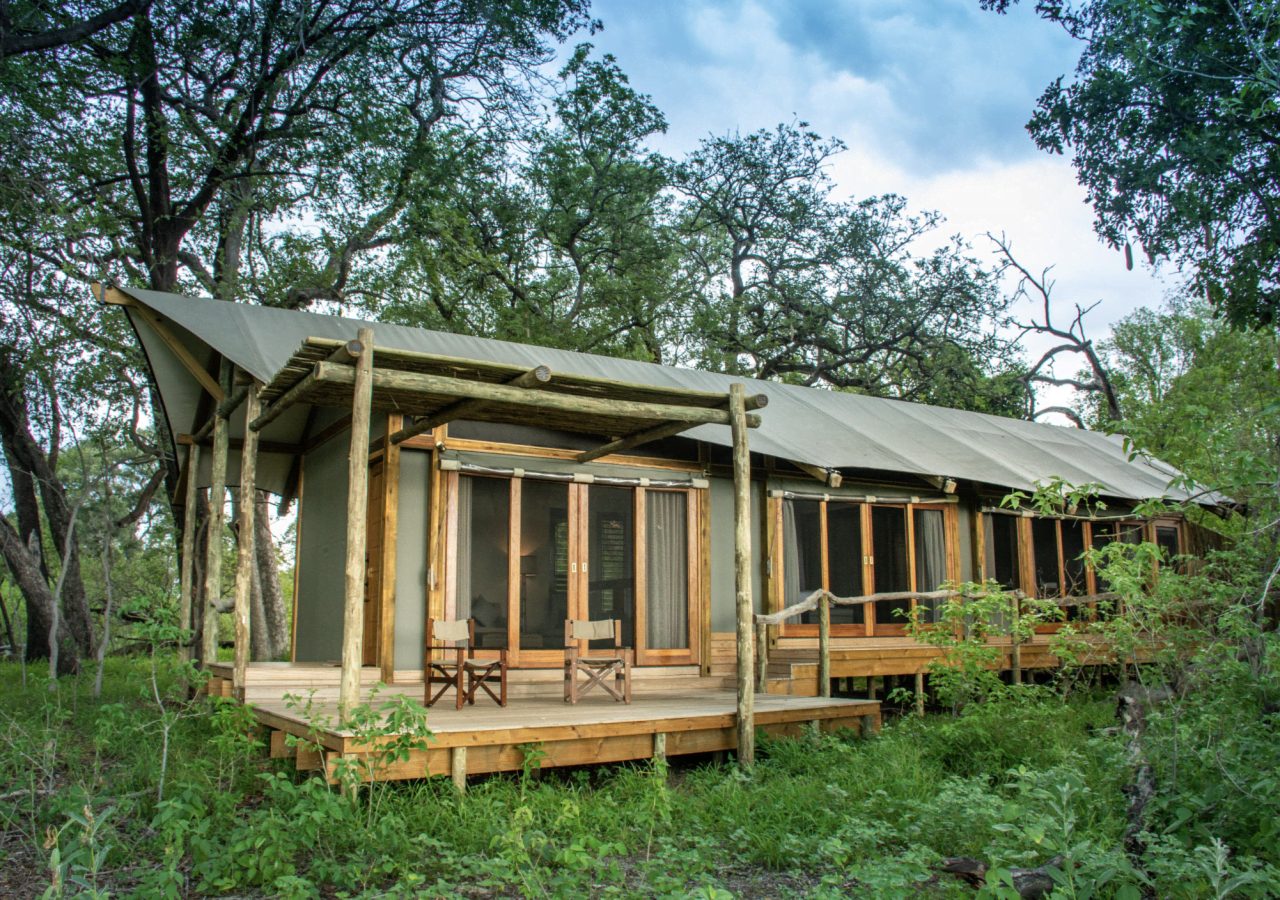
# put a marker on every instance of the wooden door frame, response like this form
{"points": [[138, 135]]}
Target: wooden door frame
{"points": [[578, 577]]}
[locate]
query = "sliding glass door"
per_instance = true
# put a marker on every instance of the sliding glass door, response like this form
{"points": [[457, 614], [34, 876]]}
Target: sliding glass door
{"points": [[584, 551]]}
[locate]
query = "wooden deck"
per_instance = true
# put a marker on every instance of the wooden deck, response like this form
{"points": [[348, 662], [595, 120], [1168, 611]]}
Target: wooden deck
{"points": [[669, 716]]}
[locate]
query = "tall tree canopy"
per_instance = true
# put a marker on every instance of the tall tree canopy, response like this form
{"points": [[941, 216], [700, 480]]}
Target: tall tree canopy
{"points": [[795, 284], [1173, 123]]}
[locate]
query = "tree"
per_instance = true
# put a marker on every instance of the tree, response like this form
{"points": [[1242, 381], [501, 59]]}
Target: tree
{"points": [[1197, 394], [1173, 121], [1094, 381], [554, 234], [795, 285], [172, 148]]}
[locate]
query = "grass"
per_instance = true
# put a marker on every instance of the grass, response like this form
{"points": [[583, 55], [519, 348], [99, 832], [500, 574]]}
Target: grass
{"points": [[1012, 783]]}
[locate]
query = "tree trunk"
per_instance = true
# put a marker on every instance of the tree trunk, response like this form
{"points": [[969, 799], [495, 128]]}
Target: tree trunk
{"points": [[25, 568], [34, 472], [273, 604]]}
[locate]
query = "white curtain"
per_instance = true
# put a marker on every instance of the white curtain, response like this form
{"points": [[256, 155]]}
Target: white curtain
{"points": [[462, 564], [667, 570], [790, 555], [931, 555]]}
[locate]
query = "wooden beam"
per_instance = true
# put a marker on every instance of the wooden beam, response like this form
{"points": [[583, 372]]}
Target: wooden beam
{"points": [[188, 576], [389, 357], [742, 574], [635, 439], [245, 560], [289, 398], [467, 408], [416, 382], [186, 440], [179, 349], [225, 409], [829, 477], [824, 647], [213, 544], [357, 536]]}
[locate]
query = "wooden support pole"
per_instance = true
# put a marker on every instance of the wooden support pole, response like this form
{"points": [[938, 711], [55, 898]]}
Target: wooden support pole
{"points": [[824, 646], [390, 536], [458, 768], [762, 657], [245, 550], [217, 523], [920, 694], [535, 377], [188, 575], [660, 746], [357, 535], [742, 572], [1015, 651]]}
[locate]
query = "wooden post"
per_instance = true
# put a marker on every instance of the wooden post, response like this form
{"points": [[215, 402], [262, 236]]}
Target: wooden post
{"points": [[390, 535], [1015, 653], [189, 550], [660, 745], [762, 657], [357, 516], [217, 523], [824, 645], [742, 572], [245, 545], [920, 694], [457, 757]]}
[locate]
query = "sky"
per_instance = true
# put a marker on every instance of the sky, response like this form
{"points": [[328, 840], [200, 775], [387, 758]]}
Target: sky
{"points": [[932, 98]]}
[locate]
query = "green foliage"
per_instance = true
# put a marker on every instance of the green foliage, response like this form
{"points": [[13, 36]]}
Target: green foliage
{"points": [[964, 628], [1171, 118]]}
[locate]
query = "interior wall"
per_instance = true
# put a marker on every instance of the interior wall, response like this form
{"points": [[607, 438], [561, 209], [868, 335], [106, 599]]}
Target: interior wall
{"points": [[723, 600], [411, 558]]}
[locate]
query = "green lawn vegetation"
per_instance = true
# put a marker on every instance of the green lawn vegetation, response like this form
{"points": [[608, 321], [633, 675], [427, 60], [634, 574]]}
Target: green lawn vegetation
{"points": [[143, 793]]}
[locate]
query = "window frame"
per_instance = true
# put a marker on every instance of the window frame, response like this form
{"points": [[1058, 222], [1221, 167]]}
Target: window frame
{"points": [[869, 627], [579, 512]]}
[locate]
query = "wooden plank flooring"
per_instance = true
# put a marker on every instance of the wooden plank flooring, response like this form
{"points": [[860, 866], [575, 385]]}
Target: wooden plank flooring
{"points": [[488, 738]]}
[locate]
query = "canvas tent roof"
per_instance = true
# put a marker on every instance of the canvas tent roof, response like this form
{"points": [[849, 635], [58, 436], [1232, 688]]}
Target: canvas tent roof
{"points": [[819, 427]]}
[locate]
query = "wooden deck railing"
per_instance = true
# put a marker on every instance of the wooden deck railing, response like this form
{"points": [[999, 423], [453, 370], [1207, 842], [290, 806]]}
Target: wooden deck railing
{"points": [[822, 600]]}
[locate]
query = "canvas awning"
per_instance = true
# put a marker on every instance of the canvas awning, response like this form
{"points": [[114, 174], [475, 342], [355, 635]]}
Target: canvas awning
{"points": [[827, 429]]}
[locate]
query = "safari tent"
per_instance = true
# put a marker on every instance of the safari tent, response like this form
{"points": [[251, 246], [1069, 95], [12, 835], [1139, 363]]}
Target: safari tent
{"points": [[442, 477]]}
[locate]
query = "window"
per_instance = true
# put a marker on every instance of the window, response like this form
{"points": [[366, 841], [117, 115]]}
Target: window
{"points": [[584, 551], [1002, 550], [854, 549]]}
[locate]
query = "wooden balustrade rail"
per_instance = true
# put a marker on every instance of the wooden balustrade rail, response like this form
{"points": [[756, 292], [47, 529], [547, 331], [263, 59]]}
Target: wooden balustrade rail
{"points": [[821, 600]]}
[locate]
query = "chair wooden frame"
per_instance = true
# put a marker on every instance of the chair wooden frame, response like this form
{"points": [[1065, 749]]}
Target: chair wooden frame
{"points": [[597, 664], [464, 673]]}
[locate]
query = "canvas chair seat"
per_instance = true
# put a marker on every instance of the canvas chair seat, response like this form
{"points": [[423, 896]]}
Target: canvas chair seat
{"points": [[456, 666], [600, 665]]}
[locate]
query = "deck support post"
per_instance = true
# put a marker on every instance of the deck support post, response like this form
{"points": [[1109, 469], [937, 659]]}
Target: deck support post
{"points": [[357, 537], [742, 572], [188, 576], [660, 745], [824, 645], [458, 768], [1015, 641], [245, 551], [920, 694], [762, 657], [213, 539]]}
